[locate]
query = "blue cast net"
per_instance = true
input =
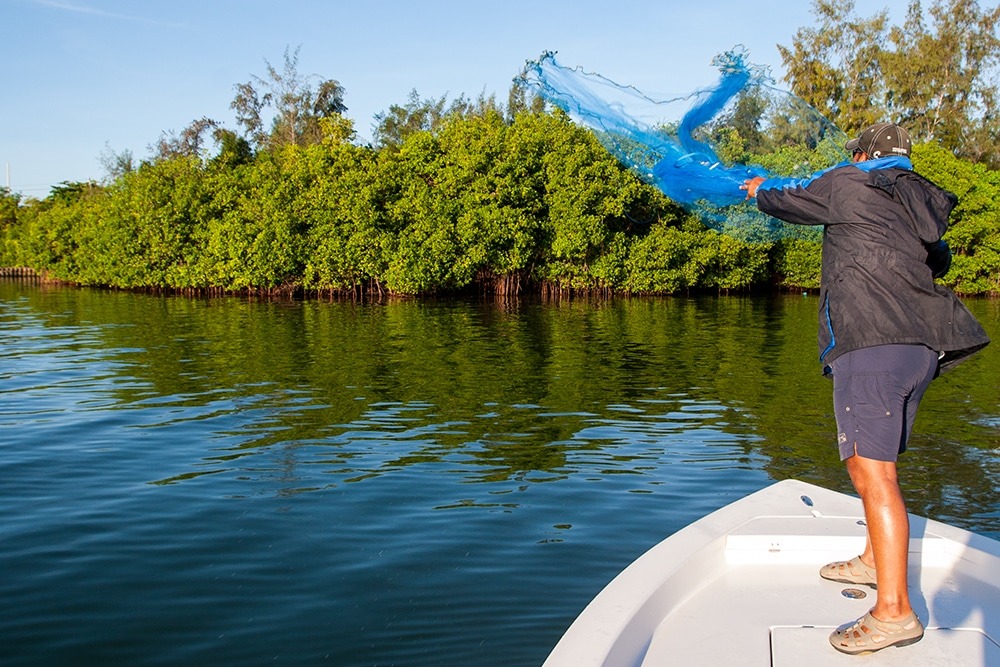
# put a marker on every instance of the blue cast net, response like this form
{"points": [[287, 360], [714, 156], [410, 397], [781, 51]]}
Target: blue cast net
{"points": [[700, 147]]}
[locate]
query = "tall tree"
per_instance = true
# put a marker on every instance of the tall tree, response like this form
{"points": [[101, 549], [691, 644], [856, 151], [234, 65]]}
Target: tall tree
{"points": [[521, 99], [298, 107], [188, 144], [936, 77], [233, 149], [116, 163], [835, 66], [941, 80], [9, 202], [392, 127]]}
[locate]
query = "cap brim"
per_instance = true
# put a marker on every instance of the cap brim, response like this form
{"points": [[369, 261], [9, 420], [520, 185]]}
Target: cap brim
{"points": [[852, 145]]}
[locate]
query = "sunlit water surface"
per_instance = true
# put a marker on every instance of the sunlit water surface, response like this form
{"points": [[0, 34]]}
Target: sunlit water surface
{"points": [[234, 482]]}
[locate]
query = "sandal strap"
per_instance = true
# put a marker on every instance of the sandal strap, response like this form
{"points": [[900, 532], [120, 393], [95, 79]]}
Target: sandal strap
{"points": [[869, 633]]}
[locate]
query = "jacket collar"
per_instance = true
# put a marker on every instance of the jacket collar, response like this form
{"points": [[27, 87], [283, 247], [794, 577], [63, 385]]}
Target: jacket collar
{"points": [[891, 162]]}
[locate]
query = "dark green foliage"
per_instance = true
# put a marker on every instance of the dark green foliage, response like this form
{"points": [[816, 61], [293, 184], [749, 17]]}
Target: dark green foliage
{"points": [[797, 263], [973, 235], [470, 195], [478, 202], [8, 223]]}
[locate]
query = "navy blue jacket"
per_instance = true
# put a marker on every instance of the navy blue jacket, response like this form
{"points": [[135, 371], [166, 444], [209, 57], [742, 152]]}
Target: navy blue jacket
{"points": [[880, 219]]}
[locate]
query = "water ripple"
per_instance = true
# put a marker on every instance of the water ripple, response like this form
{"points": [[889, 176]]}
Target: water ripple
{"points": [[211, 481]]}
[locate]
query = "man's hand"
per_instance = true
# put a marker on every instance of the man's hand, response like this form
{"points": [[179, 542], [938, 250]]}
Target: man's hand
{"points": [[751, 186]]}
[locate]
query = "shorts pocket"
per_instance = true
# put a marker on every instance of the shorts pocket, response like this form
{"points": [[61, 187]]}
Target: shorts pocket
{"points": [[866, 396]]}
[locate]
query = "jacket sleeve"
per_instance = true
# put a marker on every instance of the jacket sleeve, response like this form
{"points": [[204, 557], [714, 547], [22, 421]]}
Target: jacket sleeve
{"points": [[800, 202]]}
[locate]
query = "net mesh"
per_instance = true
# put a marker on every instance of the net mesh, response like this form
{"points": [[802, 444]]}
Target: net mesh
{"points": [[698, 148]]}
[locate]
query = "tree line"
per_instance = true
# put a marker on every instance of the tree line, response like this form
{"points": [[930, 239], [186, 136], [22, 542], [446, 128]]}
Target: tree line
{"points": [[452, 197]]}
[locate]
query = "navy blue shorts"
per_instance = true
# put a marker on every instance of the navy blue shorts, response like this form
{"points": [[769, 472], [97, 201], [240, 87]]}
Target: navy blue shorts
{"points": [[876, 391]]}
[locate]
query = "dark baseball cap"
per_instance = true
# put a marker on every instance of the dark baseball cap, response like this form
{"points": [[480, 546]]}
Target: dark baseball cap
{"points": [[881, 140]]}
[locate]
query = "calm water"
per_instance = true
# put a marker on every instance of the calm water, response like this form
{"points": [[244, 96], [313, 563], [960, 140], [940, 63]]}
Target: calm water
{"points": [[231, 482]]}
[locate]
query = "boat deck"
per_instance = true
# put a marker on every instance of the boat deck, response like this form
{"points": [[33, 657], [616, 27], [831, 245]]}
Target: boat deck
{"points": [[744, 618], [741, 587]]}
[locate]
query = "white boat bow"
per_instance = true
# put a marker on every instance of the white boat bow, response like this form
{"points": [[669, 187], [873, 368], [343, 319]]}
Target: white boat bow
{"points": [[741, 587]]}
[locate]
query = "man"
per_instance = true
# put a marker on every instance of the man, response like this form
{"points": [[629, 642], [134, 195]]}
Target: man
{"points": [[886, 330]]}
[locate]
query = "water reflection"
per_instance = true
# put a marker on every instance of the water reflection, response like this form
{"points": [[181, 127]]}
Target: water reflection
{"points": [[323, 394], [350, 483]]}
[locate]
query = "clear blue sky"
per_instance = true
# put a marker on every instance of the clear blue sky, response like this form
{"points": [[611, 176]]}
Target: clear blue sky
{"points": [[80, 77]]}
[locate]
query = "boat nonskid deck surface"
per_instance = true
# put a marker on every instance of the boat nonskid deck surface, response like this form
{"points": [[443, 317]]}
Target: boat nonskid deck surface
{"points": [[741, 587], [781, 615]]}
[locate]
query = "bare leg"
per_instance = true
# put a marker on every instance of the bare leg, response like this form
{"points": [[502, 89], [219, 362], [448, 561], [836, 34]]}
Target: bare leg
{"points": [[868, 555], [888, 533]]}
